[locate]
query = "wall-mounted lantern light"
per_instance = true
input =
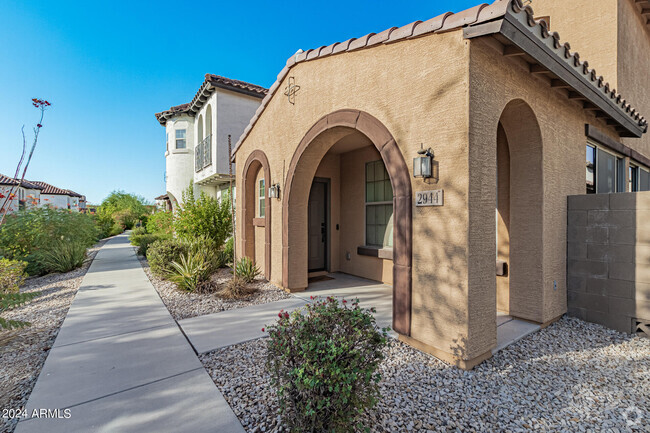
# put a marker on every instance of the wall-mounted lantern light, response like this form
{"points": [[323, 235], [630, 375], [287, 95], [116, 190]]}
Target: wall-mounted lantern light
{"points": [[422, 166], [274, 191]]}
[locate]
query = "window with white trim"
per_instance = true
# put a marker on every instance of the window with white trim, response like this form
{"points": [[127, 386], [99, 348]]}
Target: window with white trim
{"points": [[262, 190], [379, 206], [181, 142]]}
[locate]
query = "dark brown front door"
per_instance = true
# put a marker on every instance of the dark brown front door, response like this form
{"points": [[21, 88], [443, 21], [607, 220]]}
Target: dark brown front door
{"points": [[317, 214]]}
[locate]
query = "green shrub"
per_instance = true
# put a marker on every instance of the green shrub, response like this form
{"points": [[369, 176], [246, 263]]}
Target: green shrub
{"points": [[12, 275], [105, 225], [323, 361], [204, 216], [125, 209], [189, 272], [138, 231], [26, 234], [162, 253], [60, 257], [145, 241], [117, 229], [229, 251], [246, 269], [160, 222], [208, 249]]}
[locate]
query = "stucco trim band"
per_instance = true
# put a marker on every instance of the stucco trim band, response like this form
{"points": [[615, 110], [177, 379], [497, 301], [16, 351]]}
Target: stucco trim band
{"points": [[402, 210]]}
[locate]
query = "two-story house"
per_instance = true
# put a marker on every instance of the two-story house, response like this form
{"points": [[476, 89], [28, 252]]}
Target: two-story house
{"points": [[197, 136]]}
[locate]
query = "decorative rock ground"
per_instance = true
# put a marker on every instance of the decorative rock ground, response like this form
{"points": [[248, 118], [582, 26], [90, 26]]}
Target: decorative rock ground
{"points": [[572, 376], [183, 305]]}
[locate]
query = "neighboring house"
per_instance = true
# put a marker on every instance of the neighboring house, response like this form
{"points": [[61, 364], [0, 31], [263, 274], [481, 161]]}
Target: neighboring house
{"points": [[334, 172], [24, 197], [197, 135], [58, 198], [163, 203]]}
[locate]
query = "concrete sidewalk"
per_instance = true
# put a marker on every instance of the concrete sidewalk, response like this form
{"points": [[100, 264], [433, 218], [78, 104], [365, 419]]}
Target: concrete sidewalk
{"points": [[121, 364], [226, 328]]}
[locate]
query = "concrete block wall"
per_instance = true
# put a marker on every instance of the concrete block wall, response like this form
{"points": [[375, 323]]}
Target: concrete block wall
{"points": [[608, 258]]}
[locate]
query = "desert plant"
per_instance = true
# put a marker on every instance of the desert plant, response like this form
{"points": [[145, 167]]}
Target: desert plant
{"points": [[145, 241], [204, 216], [9, 301], [323, 362], [162, 253], [229, 251], [117, 229], [207, 248], [138, 231], [61, 257], [246, 269], [27, 233], [236, 288], [160, 222], [189, 272], [12, 275]]}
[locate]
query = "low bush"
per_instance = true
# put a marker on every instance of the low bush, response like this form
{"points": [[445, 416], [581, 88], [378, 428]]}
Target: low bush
{"points": [[246, 269], [135, 233], [208, 249], [9, 301], [189, 272], [25, 235], [145, 241], [60, 257], [117, 229], [323, 362], [162, 253], [235, 288], [229, 251], [160, 222], [12, 275]]}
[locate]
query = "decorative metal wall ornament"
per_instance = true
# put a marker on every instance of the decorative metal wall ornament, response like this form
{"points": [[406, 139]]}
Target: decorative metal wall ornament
{"points": [[291, 89]]}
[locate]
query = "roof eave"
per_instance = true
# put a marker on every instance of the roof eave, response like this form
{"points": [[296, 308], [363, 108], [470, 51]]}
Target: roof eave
{"points": [[565, 67]]}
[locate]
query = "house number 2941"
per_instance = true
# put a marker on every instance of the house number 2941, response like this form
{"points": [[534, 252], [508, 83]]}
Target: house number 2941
{"points": [[429, 198]]}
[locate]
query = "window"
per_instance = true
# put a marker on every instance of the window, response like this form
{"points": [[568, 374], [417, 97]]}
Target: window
{"points": [[633, 178], [591, 169], [180, 139], [644, 180], [605, 171], [379, 206], [262, 198]]}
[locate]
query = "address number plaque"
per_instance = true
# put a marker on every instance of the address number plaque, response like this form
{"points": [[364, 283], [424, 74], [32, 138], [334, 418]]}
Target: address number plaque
{"points": [[429, 198]]}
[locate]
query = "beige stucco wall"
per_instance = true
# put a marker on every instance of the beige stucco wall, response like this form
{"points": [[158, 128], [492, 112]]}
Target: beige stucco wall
{"points": [[419, 91], [634, 65], [612, 36]]}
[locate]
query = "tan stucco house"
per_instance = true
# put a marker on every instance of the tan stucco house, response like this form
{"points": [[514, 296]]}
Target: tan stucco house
{"points": [[387, 157]]}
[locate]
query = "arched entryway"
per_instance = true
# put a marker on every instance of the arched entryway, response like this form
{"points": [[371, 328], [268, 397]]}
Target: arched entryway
{"points": [[256, 168], [316, 143], [519, 212]]}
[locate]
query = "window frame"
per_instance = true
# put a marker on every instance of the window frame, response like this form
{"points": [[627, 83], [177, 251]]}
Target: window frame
{"points": [[377, 204], [183, 139], [261, 200], [617, 156]]}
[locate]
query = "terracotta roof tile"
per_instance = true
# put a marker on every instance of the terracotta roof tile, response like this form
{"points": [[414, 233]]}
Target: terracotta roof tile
{"points": [[51, 189], [6, 180], [479, 14]]}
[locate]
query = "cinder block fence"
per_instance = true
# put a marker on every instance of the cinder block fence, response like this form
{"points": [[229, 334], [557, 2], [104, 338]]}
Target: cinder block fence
{"points": [[608, 266]]}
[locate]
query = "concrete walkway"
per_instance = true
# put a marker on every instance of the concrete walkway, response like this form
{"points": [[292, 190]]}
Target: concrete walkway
{"points": [[121, 364], [226, 328]]}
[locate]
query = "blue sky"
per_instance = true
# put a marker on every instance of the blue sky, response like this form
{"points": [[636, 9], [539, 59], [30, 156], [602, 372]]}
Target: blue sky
{"points": [[107, 67]]}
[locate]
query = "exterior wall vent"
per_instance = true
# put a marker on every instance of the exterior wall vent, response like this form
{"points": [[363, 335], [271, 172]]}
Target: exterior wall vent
{"points": [[642, 328]]}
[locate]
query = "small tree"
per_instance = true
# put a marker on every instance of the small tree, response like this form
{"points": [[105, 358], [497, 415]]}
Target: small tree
{"points": [[204, 216], [323, 363]]}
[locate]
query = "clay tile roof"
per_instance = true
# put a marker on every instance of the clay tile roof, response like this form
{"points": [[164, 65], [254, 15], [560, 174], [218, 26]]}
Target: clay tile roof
{"points": [[71, 193], [6, 180], [162, 197], [46, 188], [163, 116], [475, 16]]}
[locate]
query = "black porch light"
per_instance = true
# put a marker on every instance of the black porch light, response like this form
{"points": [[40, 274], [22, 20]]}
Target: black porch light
{"points": [[422, 166]]}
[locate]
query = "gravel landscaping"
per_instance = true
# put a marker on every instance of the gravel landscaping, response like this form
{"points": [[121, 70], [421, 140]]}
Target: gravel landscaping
{"points": [[572, 376], [23, 351], [183, 305]]}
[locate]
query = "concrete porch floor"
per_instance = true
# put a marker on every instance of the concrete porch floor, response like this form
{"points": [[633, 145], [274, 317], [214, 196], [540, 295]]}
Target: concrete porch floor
{"points": [[226, 328]]}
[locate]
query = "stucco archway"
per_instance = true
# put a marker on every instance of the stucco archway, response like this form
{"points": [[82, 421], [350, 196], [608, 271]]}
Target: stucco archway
{"points": [[520, 144], [304, 163], [256, 161]]}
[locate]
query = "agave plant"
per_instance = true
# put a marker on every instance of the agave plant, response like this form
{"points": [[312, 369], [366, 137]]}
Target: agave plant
{"points": [[191, 270]]}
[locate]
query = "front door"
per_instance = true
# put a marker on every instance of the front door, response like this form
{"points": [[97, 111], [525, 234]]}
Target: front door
{"points": [[317, 212]]}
